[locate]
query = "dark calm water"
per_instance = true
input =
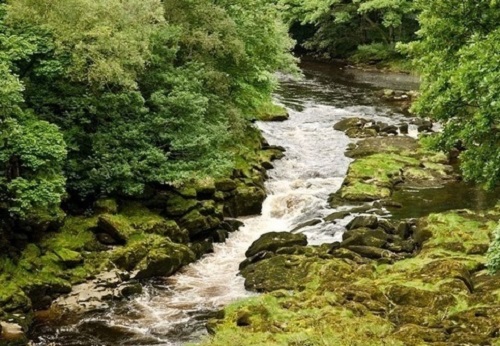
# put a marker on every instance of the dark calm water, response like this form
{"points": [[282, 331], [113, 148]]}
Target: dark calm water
{"points": [[173, 311]]}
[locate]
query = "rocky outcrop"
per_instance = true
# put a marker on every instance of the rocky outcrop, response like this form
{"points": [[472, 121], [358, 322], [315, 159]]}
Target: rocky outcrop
{"points": [[433, 293], [383, 165]]}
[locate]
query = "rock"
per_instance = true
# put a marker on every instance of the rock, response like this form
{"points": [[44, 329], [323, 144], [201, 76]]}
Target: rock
{"points": [[404, 229], [128, 257], [220, 235], [246, 201], [415, 334], [115, 227], [411, 296], [106, 239], [12, 334], [387, 226], [196, 223], [106, 206], [337, 216], [267, 165], [167, 228], [187, 192], [260, 256], [403, 128], [372, 146], [390, 129], [205, 190], [364, 237], [130, 288], [278, 272], [348, 123], [225, 185], [369, 221], [14, 299], [372, 252], [309, 223], [201, 248], [179, 205], [347, 254], [360, 133], [69, 258], [164, 261], [274, 240]]}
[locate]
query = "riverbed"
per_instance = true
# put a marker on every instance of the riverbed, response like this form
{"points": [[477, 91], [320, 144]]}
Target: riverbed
{"points": [[174, 310]]}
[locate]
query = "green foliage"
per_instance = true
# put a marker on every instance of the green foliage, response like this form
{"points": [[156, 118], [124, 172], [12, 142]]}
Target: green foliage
{"points": [[343, 26], [494, 252], [121, 94], [457, 56]]}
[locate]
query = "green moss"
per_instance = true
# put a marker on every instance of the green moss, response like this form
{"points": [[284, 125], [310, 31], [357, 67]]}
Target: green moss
{"points": [[76, 234], [450, 229], [270, 111], [359, 191]]}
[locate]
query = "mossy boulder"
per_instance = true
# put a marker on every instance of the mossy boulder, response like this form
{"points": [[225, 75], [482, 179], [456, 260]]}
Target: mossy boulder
{"points": [[196, 223], [363, 221], [178, 205], [164, 260], [348, 123], [225, 185], [273, 241], [365, 237], [247, 200], [129, 256], [278, 272], [115, 226], [69, 258], [12, 298]]}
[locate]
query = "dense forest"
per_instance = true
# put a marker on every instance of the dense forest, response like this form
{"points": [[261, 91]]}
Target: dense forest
{"points": [[104, 98], [112, 99]]}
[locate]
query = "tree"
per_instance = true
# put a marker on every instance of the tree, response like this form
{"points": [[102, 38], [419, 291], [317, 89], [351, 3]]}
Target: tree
{"points": [[147, 92], [457, 55], [31, 151], [343, 26]]}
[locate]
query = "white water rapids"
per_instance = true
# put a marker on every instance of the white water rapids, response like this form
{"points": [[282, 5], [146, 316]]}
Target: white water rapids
{"points": [[174, 310]]}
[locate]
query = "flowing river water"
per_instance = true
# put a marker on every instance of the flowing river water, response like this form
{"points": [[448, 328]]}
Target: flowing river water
{"points": [[174, 310]]}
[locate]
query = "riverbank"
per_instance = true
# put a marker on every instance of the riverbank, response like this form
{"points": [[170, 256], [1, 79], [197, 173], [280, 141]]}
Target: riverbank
{"points": [[105, 254], [391, 282]]}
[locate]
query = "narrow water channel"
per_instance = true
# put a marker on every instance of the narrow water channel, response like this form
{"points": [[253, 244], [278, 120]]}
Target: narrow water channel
{"points": [[173, 311]]}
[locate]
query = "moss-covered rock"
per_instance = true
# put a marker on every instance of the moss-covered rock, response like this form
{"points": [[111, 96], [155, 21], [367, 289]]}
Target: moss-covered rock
{"points": [[439, 296], [164, 260], [178, 205], [247, 200], [273, 241], [117, 227]]}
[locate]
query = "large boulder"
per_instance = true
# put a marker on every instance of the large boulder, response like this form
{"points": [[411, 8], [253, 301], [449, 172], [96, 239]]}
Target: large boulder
{"points": [[278, 272], [197, 223], [114, 226], [275, 240], [178, 205], [247, 200], [365, 237], [348, 123], [363, 221], [164, 261]]}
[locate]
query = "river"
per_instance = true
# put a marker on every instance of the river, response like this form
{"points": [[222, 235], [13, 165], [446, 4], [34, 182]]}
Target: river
{"points": [[173, 310]]}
